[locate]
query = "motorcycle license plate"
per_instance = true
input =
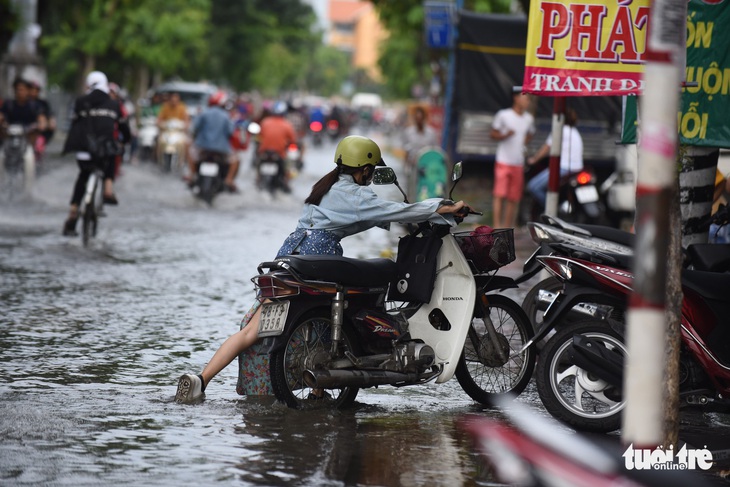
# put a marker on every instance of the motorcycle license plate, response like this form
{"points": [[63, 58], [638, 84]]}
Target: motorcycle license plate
{"points": [[208, 169], [269, 169], [273, 318], [586, 194]]}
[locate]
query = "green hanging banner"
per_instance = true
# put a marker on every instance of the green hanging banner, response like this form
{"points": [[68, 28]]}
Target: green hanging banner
{"points": [[704, 119]]}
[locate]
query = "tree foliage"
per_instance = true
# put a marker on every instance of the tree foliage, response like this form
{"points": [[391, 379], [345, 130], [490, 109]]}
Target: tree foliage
{"points": [[243, 44], [404, 58]]}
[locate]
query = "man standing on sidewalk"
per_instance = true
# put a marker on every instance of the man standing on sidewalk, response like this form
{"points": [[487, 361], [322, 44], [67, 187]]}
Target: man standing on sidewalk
{"points": [[513, 127]]}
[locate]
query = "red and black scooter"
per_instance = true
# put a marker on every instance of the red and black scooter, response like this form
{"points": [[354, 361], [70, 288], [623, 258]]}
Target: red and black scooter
{"points": [[580, 369]]}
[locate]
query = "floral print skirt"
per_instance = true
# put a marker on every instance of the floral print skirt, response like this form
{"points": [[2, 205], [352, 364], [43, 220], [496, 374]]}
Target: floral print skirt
{"points": [[253, 363]]}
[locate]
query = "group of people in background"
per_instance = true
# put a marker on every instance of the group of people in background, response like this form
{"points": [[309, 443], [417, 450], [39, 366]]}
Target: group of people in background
{"points": [[513, 128]]}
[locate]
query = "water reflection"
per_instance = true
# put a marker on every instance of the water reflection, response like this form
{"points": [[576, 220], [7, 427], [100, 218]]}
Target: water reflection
{"points": [[364, 446]]}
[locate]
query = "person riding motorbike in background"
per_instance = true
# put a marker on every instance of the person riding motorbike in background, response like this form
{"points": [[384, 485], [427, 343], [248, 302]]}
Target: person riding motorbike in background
{"points": [[571, 157], [276, 135], [341, 204], [172, 108], [212, 131], [97, 117], [23, 110], [45, 109]]}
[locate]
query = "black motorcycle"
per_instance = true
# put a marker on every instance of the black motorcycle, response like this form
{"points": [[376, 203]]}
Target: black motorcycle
{"points": [[212, 170]]}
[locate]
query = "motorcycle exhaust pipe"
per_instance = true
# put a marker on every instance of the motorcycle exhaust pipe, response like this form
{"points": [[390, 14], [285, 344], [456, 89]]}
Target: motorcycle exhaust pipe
{"points": [[335, 379], [597, 360]]}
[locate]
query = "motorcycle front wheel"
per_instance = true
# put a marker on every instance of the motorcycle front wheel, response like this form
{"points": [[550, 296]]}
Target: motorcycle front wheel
{"points": [[307, 346], [572, 394], [483, 372]]}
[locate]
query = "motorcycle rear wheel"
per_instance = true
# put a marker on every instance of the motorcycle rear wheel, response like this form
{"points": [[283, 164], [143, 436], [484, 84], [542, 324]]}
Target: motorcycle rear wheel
{"points": [[308, 344], [206, 189], [570, 393], [482, 375]]}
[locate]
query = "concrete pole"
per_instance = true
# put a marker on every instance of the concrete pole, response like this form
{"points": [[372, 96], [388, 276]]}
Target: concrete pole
{"points": [[644, 374], [553, 193]]}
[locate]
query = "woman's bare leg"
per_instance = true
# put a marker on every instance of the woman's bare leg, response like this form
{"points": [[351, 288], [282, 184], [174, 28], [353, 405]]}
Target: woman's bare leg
{"points": [[232, 347]]}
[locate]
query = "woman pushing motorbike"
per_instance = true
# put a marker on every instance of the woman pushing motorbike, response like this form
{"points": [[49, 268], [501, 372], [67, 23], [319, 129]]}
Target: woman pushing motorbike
{"points": [[340, 204]]}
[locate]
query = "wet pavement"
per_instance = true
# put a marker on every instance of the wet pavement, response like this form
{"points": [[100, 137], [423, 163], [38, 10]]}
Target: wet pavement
{"points": [[95, 338]]}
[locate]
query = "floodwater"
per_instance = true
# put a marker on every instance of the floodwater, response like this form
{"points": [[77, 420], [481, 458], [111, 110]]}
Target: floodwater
{"points": [[94, 339]]}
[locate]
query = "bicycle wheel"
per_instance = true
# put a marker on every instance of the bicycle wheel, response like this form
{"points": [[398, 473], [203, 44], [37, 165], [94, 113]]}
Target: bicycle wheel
{"points": [[308, 345], [90, 209], [88, 219], [481, 372]]}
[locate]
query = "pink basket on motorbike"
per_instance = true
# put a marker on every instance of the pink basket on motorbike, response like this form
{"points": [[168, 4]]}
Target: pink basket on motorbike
{"points": [[487, 251]]}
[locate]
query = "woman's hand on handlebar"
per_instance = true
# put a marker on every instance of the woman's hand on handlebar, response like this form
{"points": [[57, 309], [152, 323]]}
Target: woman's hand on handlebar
{"points": [[451, 208], [458, 209]]}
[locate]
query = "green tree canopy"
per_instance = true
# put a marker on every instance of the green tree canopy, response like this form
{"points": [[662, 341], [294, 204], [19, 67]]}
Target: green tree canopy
{"points": [[404, 59]]}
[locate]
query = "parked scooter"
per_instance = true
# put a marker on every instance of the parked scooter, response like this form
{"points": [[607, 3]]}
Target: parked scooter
{"points": [[172, 146], [552, 230], [17, 167], [333, 326], [579, 200], [618, 191], [580, 369], [533, 451]]}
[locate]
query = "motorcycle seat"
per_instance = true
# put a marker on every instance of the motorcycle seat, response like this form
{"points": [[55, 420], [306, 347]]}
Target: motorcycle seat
{"points": [[610, 234], [343, 270], [711, 285], [710, 257]]}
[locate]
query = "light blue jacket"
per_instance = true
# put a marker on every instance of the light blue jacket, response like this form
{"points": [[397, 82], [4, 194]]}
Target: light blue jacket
{"points": [[213, 129], [349, 208]]}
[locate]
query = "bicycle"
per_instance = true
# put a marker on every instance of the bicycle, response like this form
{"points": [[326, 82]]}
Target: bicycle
{"points": [[92, 205]]}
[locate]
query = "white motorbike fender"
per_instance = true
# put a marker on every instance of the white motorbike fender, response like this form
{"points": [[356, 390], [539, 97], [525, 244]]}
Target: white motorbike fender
{"points": [[454, 293]]}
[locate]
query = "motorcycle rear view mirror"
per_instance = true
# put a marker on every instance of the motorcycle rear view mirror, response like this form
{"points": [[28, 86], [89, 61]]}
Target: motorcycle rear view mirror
{"points": [[456, 174], [384, 175], [254, 128]]}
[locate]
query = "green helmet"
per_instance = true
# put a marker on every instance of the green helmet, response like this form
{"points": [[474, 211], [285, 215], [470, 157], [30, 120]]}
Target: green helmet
{"points": [[358, 151]]}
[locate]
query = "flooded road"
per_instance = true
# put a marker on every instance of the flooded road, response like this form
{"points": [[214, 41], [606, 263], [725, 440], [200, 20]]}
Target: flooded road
{"points": [[95, 338]]}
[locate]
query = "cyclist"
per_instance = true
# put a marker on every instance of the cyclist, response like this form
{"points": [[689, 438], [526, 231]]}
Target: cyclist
{"points": [[96, 117], [212, 131]]}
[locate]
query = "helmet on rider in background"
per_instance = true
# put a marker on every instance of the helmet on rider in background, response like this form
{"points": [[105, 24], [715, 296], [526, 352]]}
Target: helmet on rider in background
{"points": [[217, 99], [96, 80], [358, 151], [279, 108]]}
